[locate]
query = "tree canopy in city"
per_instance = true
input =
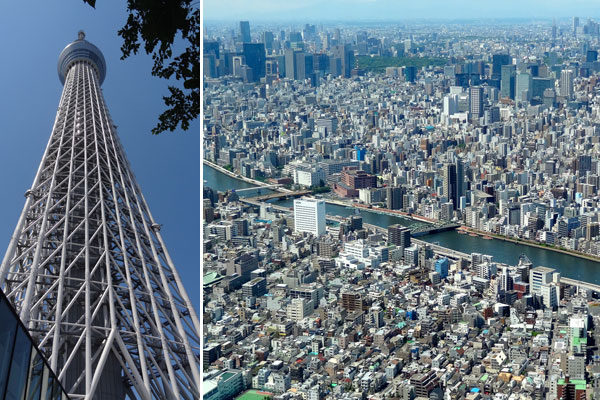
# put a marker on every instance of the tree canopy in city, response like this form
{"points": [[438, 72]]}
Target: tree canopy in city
{"points": [[155, 24], [379, 63]]}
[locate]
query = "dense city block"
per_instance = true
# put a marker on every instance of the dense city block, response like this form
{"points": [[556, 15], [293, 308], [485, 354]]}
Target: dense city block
{"points": [[479, 129]]}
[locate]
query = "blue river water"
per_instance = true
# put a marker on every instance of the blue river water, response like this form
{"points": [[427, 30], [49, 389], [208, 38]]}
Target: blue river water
{"points": [[504, 252]]}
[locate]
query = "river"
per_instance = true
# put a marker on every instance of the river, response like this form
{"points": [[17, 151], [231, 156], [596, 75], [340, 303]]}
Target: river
{"points": [[503, 252]]}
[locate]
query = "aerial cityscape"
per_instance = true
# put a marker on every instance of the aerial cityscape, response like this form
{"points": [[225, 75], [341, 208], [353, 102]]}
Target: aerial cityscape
{"points": [[401, 210]]}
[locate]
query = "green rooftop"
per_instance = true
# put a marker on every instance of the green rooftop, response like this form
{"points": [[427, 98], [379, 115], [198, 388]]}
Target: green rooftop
{"points": [[484, 377], [210, 278], [227, 375], [580, 384]]}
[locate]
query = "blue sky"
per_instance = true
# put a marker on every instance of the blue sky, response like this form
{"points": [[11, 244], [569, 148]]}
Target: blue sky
{"points": [[166, 166], [394, 9]]}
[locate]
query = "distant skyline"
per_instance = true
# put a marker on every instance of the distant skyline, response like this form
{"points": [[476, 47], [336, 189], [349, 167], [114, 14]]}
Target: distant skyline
{"points": [[389, 10]]}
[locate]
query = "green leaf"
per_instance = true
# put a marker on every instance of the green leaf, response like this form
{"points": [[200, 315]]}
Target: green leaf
{"points": [[154, 25]]}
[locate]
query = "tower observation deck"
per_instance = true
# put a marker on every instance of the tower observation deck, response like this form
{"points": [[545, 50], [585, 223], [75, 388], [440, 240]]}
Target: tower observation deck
{"points": [[87, 269]]}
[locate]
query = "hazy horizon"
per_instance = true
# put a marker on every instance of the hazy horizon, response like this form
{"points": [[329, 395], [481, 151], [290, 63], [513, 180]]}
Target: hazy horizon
{"points": [[390, 10]]}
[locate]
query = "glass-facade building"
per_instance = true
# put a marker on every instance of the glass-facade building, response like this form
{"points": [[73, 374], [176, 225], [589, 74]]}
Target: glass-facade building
{"points": [[24, 373]]}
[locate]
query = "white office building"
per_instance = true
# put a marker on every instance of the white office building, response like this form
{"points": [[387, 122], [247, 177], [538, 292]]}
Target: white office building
{"points": [[312, 176], [550, 295], [539, 276], [298, 309], [566, 83], [309, 216]]}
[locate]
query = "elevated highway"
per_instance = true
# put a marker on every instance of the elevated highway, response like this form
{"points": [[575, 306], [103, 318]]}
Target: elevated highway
{"points": [[580, 284]]}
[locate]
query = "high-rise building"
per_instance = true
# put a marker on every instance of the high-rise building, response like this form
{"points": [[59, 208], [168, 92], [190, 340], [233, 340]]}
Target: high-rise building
{"points": [[394, 198], [290, 64], [538, 277], [498, 60], [507, 84], [575, 25], [210, 65], [461, 190], [210, 58], [584, 164], [309, 216], [566, 83], [335, 66], [538, 85], [300, 72], [346, 55], [321, 62], [447, 211], [255, 56], [410, 73], [450, 184], [524, 87], [211, 47], [237, 63], [506, 280], [550, 295], [399, 235], [572, 389], [271, 67], [592, 230], [450, 104], [295, 37], [267, 38], [245, 32], [476, 104], [87, 269]]}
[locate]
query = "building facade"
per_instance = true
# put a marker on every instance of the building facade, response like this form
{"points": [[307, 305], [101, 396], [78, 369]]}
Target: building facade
{"points": [[309, 216]]}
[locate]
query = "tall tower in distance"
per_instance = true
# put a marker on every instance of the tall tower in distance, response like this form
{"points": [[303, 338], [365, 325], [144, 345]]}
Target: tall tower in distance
{"points": [[476, 100], [87, 269], [566, 83], [245, 32]]}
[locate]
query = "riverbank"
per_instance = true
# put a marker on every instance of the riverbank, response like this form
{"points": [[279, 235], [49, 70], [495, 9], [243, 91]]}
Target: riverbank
{"points": [[235, 176], [417, 218], [583, 269], [384, 211], [526, 242]]}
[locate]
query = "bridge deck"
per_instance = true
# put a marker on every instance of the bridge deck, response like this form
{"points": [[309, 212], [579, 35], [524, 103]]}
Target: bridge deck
{"points": [[580, 284], [279, 195]]}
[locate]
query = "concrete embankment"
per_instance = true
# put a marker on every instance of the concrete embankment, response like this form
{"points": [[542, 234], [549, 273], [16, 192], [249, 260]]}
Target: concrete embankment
{"points": [[530, 243], [236, 176]]}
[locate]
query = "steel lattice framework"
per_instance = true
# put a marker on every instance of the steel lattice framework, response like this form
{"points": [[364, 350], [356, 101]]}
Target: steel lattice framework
{"points": [[87, 269]]}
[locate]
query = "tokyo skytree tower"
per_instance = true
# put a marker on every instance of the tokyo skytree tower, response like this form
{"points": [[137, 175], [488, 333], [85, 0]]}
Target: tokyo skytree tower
{"points": [[87, 269]]}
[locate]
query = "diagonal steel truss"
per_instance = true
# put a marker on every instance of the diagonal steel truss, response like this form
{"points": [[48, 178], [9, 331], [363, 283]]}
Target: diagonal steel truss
{"points": [[87, 269]]}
